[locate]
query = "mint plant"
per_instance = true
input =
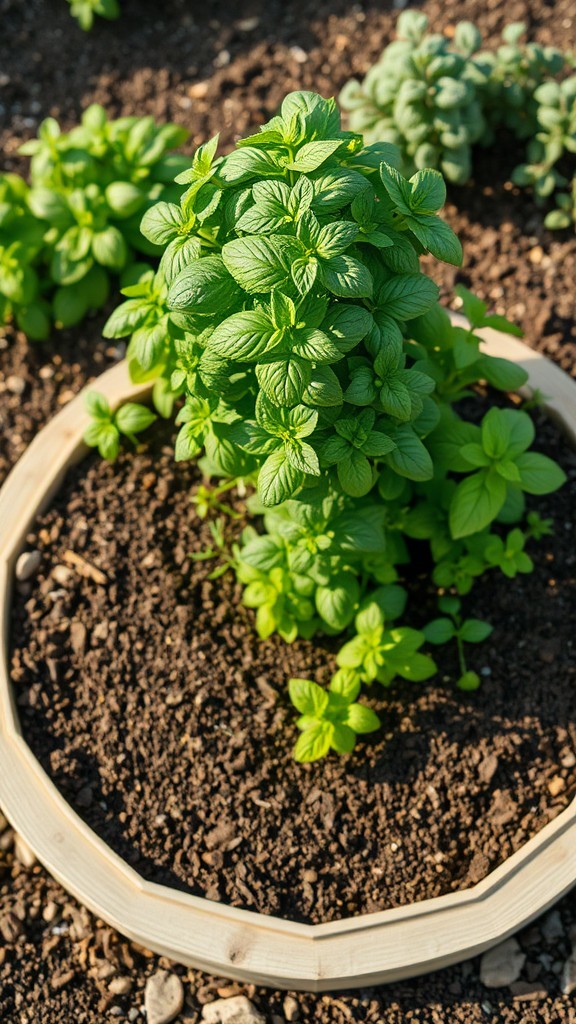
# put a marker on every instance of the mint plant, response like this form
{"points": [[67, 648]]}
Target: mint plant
{"points": [[75, 231], [107, 427], [290, 329]]}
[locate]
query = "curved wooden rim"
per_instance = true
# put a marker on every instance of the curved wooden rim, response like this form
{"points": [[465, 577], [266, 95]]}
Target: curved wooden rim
{"points": [[220, 939]]}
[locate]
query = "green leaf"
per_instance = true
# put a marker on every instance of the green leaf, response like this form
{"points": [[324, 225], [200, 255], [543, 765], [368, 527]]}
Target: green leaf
{"points": [[346, 277], [204, 287], [303, 457], [248, 162], [439, 239], [124, 198], [476, 503], [284, 381], [501, 373], [407, 296], [162, 222], [395, 399], [539, 474], [133, 418], [439, 631], [307, 697], [109, 248], [410, 458], [355, 474], [313, 154], [188, 444], [324, 390], [177, 255], [278, 480], [148, 344], [474, 631], [343, 738], [314, 743], [97, 405], [126, 318], [336, 603], [428, 191], [243, 336], [259, 264], [362, 719]]}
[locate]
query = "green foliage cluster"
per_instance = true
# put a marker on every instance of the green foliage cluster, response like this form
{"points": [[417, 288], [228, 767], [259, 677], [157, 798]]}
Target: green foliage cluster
{"points": [[86, 10], [436, 98], [290, 325], [78, 222]]}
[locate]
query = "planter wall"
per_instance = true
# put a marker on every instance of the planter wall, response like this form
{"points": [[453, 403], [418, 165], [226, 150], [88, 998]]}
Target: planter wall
{"points": [[224, 940]]}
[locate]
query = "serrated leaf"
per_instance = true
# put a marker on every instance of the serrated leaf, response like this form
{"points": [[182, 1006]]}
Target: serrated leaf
{"points": [[278, 480]]}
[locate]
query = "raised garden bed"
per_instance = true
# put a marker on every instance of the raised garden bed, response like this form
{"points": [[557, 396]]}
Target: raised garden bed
{"points": [[382, 945]]}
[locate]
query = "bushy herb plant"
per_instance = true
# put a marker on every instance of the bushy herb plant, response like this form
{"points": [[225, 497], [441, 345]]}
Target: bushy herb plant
{"points": [[307, 355], [76, 228], [436, 98]]}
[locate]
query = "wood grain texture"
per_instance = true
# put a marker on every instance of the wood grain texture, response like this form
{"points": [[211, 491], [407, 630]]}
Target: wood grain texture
{"points": [[223, 940]]}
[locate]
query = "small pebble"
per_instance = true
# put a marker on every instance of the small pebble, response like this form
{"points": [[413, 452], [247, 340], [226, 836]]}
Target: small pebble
{"points": [[120, 986], [568, 979], [17, 385], [291, 1009], [27, 565], [502, 965], [238, 1010], [24, 854], [299, 55], [163, 997], [556, 785]]}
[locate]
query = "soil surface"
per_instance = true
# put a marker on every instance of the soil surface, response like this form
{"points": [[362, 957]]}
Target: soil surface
{"points": [[163, 719], [209, 68]]}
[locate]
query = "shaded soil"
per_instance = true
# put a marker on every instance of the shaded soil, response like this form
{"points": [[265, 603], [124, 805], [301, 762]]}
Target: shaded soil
{"points": [[53, 969], [164, 721]]}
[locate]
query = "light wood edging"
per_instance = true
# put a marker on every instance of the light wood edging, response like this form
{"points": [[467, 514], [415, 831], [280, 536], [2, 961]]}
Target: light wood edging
{"points": [[224, 940]]}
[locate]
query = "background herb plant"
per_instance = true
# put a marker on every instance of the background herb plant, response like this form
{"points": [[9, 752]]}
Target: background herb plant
{"points": [[76, 229], [436, 98], [304, 352]]}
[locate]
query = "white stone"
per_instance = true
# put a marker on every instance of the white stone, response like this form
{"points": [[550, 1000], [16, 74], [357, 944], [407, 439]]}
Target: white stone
{"points": [[163, 997], [27, 565], [568, 981], [24, 854], [236, 1010], [502, 965]]}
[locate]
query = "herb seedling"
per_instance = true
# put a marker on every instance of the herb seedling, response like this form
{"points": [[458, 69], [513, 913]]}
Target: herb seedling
{"points": [[107, 428], [330, 719], [454, 627]]}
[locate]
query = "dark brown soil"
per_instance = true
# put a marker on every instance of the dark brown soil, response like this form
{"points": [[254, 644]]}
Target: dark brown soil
{"points": [[161, 61], [164, 720]]}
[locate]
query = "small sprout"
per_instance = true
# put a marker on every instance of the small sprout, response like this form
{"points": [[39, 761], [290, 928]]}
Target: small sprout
{"points": [[509, 555], [106, 428], [471, 631], [330, 719]]}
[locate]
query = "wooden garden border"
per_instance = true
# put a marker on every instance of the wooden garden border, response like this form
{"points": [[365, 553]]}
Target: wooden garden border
{"points": [[223, 940]]}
